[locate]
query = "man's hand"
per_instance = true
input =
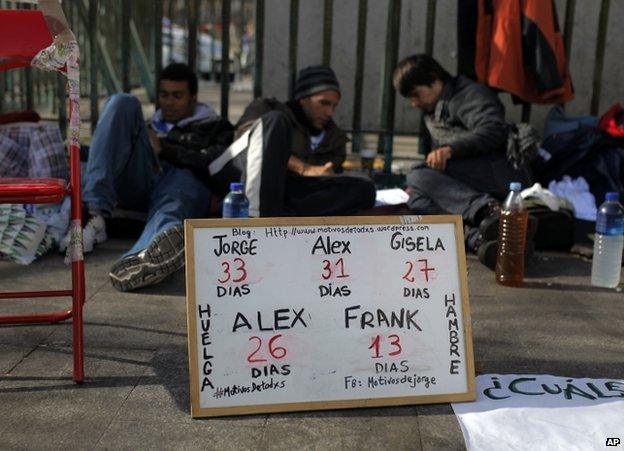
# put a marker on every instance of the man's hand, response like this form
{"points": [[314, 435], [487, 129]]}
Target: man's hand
{"points": [[154, 140], [298, 166], [436, 159], [312, 170]]}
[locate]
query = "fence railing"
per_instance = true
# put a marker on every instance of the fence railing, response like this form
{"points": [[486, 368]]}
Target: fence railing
{"points": [[124, 43]]}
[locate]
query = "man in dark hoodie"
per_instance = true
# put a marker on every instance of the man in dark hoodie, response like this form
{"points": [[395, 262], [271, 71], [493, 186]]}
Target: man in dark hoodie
{"points": [[465, 171], [288, 154]]}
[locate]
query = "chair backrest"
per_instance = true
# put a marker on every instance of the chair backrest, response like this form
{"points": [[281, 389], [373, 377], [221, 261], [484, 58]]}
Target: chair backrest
{"points": [[23, 33], [42, 38]]}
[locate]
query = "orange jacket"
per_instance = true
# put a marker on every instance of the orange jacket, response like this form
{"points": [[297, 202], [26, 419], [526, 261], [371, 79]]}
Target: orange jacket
{"points": [[519, 49]]}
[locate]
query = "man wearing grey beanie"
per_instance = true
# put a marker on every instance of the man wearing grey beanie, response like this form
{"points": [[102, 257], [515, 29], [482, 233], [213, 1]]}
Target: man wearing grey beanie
{"points": [[288, 154]]}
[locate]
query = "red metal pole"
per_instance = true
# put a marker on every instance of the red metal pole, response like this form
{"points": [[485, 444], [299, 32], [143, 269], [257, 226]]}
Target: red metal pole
{"points": [[78, 277], [40, 318], [35, 294]]}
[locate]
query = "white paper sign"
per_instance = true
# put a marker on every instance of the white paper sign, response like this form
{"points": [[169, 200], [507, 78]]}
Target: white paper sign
{"points": [[543, 412]]}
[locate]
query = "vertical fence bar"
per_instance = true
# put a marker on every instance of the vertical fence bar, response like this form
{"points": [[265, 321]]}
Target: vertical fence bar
{"points": [[93, 63], [38, 88], [19, 73], [170, 30], [28, 79], [125, 45], [10, 82], [158, 41], [424, 140], [212, 13], [3, 79], [61, 95], [430, 26], [30, 95], [526, 112], [328, 19], [293, 32], [225, 57], [11, 88], [599, 59], [388, 96], [2, 90], [360, 53], [568, 27], [258, 48], [21, 98], [191, 47]]}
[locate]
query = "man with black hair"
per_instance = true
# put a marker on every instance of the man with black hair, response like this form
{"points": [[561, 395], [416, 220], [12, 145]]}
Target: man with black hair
{"points": [[465, 171], [126, 168]]}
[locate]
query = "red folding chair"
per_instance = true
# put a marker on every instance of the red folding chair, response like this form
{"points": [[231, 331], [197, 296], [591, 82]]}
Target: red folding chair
{"points": [[42, 38]]}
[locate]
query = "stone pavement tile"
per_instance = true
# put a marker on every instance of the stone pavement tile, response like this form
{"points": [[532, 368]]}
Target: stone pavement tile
{"points": [[59, 429], [154, 402], [556, 323], [10, 356], [17, 347], [45, 406], [39, 275], [439, 428], [47, 358], [51, 273], [169, 366], [49, 369], [157, 403], [163, 391], [100, 354], [193, 435], [113, 319], [132, 326], [33, 306], [136, 389], [385, 428]]}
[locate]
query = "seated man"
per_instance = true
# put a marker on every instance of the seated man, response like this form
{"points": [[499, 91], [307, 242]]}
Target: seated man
{"points": [[124, 168], [287, 154], [466, 171]]}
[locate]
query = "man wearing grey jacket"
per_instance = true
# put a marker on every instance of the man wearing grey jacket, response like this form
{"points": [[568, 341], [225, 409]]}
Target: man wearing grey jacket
{"points": [[465, 171]]}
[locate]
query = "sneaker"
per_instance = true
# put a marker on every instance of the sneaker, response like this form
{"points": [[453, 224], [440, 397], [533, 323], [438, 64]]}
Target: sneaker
{"points": [[163, 257], [487, 224], [94, 232], [488, 251]]}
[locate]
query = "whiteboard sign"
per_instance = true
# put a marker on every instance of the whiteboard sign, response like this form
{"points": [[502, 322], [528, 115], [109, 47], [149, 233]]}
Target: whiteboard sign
{"points": [[290, 314]]}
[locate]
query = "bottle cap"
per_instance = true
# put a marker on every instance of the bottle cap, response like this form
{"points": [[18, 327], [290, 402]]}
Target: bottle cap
{"points": [[612, 196], [515, 186], [236, 186]]}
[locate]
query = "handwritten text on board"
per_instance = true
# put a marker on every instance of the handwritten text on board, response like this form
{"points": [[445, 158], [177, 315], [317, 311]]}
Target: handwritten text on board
{"points": [[311, 313]]}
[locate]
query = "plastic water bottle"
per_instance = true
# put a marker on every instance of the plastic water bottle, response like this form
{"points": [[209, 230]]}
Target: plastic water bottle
{"points": [[236, 204], [512, 229], [607, 260]]}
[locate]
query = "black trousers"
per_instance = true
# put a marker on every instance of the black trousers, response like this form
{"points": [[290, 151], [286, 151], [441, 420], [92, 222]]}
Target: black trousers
{"points": [[260, 159], [464, 188]]}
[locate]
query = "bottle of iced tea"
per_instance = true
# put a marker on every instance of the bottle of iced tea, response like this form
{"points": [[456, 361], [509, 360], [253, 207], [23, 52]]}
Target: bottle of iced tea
{"points": [[512, 229]]}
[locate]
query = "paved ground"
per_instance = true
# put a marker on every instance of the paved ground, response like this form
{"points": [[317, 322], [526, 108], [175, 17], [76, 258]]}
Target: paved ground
{"points": [[136, 392]]}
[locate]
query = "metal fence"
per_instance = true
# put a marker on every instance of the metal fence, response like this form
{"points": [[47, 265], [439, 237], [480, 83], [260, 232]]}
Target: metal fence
{"points": [[122, 45]]}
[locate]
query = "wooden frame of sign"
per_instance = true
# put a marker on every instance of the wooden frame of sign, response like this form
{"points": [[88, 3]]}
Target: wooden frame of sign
{"points": [[292, 314]]}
